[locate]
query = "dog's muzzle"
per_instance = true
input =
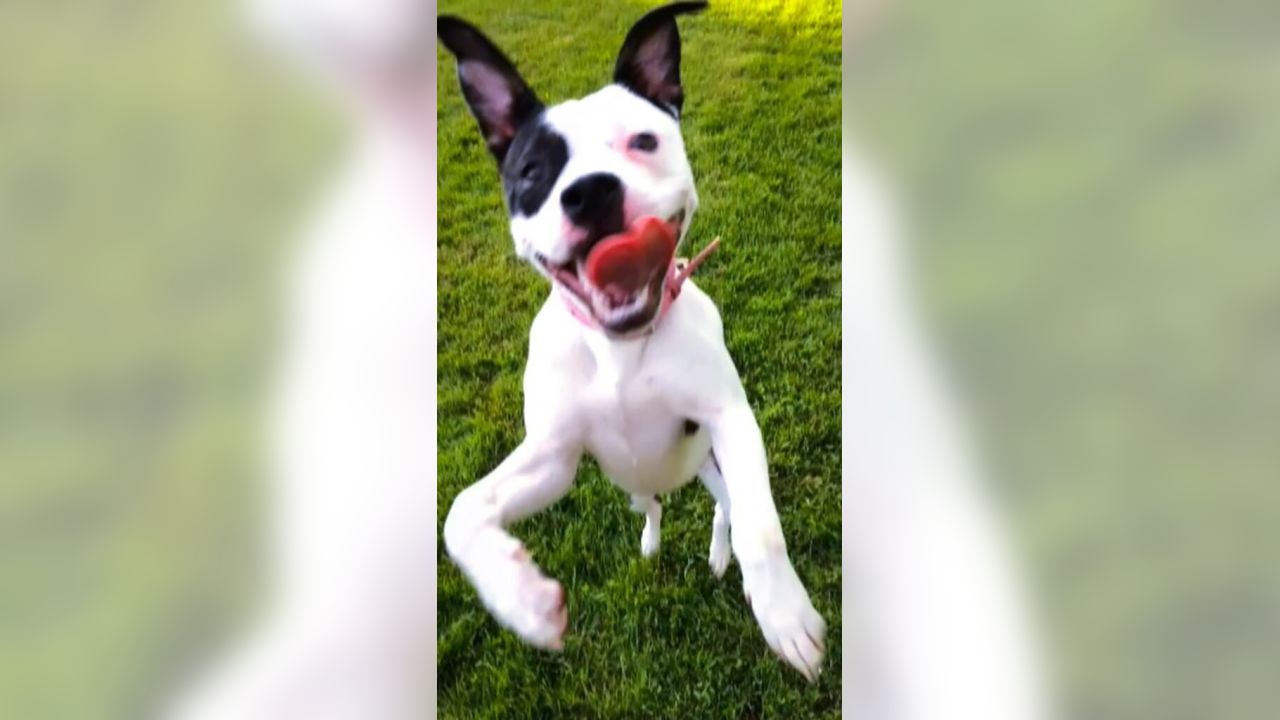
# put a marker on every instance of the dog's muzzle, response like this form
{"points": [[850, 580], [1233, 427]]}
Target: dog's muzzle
{"points": [[617, 281]]}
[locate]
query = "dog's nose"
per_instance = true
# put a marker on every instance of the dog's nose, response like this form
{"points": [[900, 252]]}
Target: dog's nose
{"points": [[593, 201]]}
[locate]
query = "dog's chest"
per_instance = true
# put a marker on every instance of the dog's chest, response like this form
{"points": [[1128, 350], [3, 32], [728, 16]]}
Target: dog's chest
{"points": [[641, 443]]}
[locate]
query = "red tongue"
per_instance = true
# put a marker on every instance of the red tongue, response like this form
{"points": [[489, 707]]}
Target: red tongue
{"points": [[628, 260]]}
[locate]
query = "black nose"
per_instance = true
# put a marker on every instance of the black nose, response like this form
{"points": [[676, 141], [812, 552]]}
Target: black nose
{"points": [[594, 201]]}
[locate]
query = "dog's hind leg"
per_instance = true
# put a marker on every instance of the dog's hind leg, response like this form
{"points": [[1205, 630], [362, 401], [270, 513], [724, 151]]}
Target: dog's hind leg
{"points": [[709, 473], [651, 535]]}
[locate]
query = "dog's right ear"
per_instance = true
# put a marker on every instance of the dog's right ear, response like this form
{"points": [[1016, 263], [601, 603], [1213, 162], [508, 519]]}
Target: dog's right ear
{"points": [[649, 62], [499, 98]]}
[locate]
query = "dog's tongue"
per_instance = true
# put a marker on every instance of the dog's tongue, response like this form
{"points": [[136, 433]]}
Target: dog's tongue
{"points": [[628, 260]]}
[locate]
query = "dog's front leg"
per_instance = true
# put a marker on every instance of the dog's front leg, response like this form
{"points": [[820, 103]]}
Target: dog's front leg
{"points": [[511, 586], [793, 629]]}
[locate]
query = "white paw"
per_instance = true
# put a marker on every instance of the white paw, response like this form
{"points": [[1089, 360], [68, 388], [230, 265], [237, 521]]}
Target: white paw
{"points": [[524, 600], [792, 628], [649, 540], [719, 557]]}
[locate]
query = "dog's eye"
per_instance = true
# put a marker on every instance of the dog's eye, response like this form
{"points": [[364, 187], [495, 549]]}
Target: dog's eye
{"points": [[644, 142], [529, 171]]}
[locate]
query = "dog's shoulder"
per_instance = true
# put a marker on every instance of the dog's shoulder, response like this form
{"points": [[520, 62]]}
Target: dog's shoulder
{"points": [[695, 310], [555, 337]]}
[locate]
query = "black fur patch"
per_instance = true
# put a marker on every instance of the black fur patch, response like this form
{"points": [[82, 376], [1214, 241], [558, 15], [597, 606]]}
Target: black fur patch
{"points": [[533, 164]]}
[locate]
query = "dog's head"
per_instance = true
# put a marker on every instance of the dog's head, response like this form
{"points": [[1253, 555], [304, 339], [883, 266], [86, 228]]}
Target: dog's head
{"points": [[599, 189]]}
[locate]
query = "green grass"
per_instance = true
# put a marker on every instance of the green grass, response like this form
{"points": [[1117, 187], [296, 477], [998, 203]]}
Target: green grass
{"points": [[762, 120]]}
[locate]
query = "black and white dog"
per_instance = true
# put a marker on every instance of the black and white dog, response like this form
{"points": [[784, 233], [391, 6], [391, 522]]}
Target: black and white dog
{"points": [[600, 194]]}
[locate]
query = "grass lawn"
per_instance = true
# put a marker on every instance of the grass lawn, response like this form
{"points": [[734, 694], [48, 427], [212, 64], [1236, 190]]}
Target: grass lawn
{"points": [[649, 638]]}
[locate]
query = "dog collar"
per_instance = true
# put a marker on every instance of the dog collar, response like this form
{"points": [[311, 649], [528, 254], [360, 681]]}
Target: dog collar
{"points": [[677, 272]]}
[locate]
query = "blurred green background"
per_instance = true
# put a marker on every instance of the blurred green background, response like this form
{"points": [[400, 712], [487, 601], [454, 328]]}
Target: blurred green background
{"points": [[1096, 235], [1094, 191], [152, 170]]}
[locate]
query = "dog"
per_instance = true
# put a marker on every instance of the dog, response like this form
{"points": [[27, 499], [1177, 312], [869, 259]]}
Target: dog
{"points": [[600, 194]]}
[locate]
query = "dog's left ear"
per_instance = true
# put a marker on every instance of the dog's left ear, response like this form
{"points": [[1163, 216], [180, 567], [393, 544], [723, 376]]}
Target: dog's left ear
{"points": [[649, 62], [499, 98]]}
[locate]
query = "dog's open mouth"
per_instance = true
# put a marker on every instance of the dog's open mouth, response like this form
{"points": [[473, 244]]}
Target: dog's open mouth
{"points": [[618, 278]]}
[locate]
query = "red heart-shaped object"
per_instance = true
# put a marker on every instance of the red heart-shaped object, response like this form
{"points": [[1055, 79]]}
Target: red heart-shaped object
{"points": [[628, 260]]}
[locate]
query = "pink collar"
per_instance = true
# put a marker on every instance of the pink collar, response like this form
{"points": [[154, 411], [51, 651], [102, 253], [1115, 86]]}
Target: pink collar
{"points": [[676, 275]]}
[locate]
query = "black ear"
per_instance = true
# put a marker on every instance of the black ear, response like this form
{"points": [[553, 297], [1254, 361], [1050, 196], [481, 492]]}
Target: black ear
{"points": [[649, 62], [499, 98]]}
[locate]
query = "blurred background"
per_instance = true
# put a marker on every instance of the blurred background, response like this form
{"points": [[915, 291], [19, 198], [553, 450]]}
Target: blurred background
{"points": [[1091, 187], [152, 170]]}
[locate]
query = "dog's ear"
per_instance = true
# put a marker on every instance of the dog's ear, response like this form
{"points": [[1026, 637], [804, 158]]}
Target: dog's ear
{"points": [[649, 62], [499, 98]]}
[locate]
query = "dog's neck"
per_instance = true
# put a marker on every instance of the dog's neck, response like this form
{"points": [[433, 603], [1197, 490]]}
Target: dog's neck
{"points": [[615, 357]]}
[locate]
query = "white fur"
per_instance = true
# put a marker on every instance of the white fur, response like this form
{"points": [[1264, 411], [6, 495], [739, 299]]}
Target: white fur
{"points": [[936, 626], [351, 606], [625, 402]]}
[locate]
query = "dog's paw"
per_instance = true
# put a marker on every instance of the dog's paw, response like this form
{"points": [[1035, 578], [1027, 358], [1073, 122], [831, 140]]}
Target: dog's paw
{"points": [[792, 627], [719, 556], [651, 536], [650, 539], [524, 600]]}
